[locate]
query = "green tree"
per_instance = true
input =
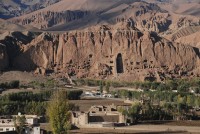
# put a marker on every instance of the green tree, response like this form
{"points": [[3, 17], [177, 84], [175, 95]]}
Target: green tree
{"points": [[19, 122], [101, 87], [14, 84], [58, 113], [173, 85], [134, 111], [122, 110], [190, 100], [107, 88], [183, 87], [197, 90]]}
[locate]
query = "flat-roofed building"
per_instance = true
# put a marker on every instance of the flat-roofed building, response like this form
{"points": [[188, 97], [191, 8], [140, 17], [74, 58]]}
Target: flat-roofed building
{"points": [[7, 124], [98, 115]]}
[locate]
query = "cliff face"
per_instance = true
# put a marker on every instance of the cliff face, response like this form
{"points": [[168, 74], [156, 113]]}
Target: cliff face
{"points": [[125, 54], [3, 57], [13, 44]]}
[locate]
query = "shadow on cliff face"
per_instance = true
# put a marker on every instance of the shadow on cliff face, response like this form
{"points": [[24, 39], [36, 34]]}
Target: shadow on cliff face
{"points": [[24, 62], [14, 43], [197, 51]]}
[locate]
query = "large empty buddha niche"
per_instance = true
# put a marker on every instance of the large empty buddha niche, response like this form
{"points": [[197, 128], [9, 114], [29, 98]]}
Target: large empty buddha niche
{"points": [[119, 64]]}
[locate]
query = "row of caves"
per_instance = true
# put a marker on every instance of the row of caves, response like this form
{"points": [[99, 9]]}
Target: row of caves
{"points": [[74, 68]]}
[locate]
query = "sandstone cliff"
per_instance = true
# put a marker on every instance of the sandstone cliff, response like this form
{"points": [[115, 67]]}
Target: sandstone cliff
{"points": [[107, 52], [3, 57]]}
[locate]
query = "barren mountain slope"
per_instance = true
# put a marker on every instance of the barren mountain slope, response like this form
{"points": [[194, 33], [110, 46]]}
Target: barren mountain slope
{"points": [[182, 8], [67, 11], [68, 15], [192, 39], [186, 15], [12, 8], [6, 27]]}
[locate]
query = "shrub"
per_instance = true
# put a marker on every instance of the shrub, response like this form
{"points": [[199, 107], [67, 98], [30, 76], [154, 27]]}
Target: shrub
{"points": [[14, 84], [74, 95]]}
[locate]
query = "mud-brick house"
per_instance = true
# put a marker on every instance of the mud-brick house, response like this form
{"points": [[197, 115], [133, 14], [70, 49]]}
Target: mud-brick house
{"points": [[98, 116]]}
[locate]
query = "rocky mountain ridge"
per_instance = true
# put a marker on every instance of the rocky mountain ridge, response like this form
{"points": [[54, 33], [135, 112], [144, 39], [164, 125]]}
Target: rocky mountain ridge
{"points": [[63, 16]]}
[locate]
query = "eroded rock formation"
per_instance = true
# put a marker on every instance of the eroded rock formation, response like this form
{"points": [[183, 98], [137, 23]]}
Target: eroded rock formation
{"points": [[104, 52], [3, 57]]}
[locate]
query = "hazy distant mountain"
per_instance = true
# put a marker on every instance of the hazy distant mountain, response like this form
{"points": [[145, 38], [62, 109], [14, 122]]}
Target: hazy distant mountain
{"points": [[12, 8]]}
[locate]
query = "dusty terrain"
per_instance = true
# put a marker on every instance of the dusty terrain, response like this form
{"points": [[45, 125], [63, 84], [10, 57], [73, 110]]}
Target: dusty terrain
{"points": [[141, 129], [23, 77]]}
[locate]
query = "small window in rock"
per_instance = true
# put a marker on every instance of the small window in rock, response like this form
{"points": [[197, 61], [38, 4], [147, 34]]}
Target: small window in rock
{"points": [[90, 56], [129, 43], [70, 62], [137, 63]]}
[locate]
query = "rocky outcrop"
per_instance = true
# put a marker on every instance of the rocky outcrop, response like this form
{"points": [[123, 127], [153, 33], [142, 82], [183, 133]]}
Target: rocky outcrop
{"points": [[125, 54], [14, 43]]}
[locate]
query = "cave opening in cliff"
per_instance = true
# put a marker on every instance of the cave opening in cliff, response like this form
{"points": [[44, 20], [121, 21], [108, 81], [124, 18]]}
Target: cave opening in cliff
{"points": [[119, 63]]}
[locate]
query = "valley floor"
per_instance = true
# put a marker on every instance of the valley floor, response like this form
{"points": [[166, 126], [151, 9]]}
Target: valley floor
{"points": [[141, 129]]}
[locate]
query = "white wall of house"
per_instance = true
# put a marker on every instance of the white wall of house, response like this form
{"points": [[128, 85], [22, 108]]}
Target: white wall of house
{"points": [[36, 130], [7, 128], [6, 125], [32, 121]]}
